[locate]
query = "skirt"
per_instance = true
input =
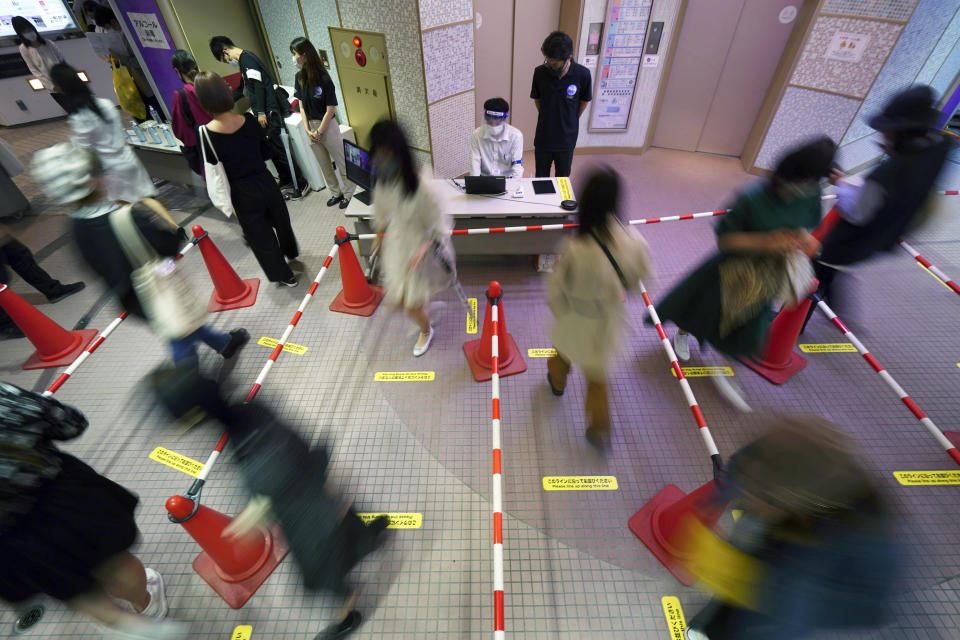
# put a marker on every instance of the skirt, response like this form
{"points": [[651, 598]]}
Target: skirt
{"points": [[81, 519]]}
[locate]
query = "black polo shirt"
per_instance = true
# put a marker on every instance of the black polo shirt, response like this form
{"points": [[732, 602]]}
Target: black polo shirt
{"points": [[315, 101], [559, 121]]}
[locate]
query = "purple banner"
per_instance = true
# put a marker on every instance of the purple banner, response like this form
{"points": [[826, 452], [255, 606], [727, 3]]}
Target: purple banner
{"points": [[151, 38]]}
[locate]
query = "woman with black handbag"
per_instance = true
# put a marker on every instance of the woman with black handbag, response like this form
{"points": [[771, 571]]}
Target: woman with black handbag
{"points": [[586, 293]]}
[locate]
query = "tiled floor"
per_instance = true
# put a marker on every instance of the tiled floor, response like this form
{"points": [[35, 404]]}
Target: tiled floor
{"points": [[572, 568]]}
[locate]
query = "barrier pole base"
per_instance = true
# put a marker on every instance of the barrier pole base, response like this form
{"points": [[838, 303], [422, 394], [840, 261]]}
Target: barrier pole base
{"points": [[777, 374], [83, 338], [642, 525], [246, 300], [236, 594], [366, 309], [482, 373]]}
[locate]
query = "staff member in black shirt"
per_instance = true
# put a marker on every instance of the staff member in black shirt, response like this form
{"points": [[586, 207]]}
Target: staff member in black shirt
{"points": [[561, 90], [258, 85], [318, 97]]}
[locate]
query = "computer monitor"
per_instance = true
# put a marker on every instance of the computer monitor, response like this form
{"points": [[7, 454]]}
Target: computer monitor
{"points": [[358, 169]]}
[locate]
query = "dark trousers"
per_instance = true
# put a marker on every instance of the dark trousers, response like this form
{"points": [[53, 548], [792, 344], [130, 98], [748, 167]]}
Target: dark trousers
{"points": [[263, 216], [561, 161], [274, 127], [21, 260]]}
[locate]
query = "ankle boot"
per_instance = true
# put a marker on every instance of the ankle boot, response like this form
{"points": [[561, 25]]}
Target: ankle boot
{"points": [[557, 371], [598, 413]]}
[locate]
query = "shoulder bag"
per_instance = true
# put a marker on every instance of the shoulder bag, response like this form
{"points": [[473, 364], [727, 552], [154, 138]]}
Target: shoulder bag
{"points": [[218, 185]]}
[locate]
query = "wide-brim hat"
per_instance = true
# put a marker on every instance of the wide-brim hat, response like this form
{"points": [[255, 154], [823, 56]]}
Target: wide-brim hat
{"points": [[910, 110]]}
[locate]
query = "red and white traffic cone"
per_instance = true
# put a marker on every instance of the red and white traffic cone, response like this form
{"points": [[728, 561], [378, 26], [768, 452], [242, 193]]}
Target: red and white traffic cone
{"points": [[478, 352], [358, 297], [234, 567], [229, 291], [662, 523], [56, 347]]}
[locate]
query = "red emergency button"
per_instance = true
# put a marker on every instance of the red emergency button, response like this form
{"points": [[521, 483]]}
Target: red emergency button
{"points": [[360, 57]]}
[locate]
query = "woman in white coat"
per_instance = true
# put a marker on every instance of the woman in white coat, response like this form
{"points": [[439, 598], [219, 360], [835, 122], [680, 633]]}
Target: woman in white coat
{"points": [[586, 296], [97, 126], [417, 258], [38, 53]]}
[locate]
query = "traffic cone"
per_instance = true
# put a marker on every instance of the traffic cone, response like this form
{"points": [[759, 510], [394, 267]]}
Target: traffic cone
{"points": [[56, 347], [779, 361], [660, 523], [235, 568], [479, 352], [229, 291], [826, 225], [357, 297]]}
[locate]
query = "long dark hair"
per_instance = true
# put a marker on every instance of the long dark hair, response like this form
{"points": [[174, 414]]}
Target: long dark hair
{"points": [[76, 93], [312, 72], [387, 135], [21, 25], [599, 199]]}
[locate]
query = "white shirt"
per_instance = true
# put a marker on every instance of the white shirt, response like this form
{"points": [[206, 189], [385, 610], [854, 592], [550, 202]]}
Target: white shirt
{"points": [[40, 60], [501, 156]]}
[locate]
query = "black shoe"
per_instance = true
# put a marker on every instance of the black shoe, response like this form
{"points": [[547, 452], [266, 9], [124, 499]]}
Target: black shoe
{"points": [[344, 203], [238, 338], [65, 290], [292, 282], [553, 389], [334, 200], [11, 331], [343, 628]]}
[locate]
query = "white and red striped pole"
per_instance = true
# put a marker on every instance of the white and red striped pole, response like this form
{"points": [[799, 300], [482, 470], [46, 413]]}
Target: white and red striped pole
{"points": [[290, 327], [904, 398], [494, 294], [684, 383], [63, 377], [934, 270]]}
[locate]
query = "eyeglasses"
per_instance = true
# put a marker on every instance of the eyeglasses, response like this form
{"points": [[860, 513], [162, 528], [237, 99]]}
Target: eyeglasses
{"points": [[556, 65]]}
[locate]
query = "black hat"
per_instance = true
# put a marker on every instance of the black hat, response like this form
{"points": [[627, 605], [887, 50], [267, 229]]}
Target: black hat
{"points": [[910, 110]]}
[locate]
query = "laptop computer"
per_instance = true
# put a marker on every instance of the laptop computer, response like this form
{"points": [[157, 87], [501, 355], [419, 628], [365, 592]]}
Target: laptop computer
{"points": [[487, 185]]}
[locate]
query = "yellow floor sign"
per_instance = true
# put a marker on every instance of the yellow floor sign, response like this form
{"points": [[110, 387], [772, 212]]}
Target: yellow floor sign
{"points": [[673, 612], [472, 316], [242, 632], [829, 347], [404, 376], [289, 348], [927, 478], [580, 483], [541, 353], [703, 372], [176, 461], [397, 520]]}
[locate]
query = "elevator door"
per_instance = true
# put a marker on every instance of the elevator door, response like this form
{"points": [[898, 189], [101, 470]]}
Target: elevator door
{"points": [[725, 58], [281, 20]]}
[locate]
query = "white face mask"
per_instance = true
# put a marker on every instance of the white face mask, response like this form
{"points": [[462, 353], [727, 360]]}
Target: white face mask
{"points": [[298, 64], [235, 63], [495, 130]]}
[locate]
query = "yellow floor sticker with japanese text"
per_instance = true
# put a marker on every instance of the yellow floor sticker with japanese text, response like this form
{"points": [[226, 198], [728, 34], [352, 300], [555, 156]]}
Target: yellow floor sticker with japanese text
{"points": [[242, 632], [397, 520], [176, 461], [541, 353], [472, 316], [703, 372], [404, 376], [927, 478], [289, 348], [580, 483], [673, 612], [828, 347]]}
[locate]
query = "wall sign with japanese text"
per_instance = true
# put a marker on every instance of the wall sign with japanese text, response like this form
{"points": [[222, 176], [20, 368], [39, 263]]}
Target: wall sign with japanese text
{"points": [[621, 54]]}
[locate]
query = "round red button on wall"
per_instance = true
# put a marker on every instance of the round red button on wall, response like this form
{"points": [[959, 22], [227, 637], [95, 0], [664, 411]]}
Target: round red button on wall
{"points": [[360, 57]]}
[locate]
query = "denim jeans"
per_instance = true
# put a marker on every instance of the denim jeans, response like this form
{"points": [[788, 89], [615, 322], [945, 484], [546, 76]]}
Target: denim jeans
{"points": [[186, 346]]}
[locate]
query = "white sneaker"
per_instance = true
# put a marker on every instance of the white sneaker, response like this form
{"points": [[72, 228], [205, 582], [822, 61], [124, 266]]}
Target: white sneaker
{"points": [[157, 607], [147, 629], [419, 351], [681, 345], [731, 392]]}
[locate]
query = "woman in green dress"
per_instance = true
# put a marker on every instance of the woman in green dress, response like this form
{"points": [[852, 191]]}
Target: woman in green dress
{"points": [[727, 301]]}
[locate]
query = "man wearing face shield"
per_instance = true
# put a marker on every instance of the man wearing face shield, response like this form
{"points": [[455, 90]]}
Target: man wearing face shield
{"points": [[496, 148], [561, 90]]}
